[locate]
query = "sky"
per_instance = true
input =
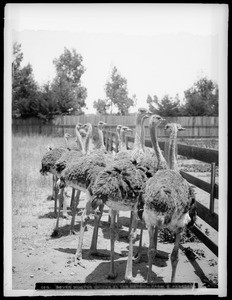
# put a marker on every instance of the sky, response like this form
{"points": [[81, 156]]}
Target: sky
{"points": [[159, 48]]}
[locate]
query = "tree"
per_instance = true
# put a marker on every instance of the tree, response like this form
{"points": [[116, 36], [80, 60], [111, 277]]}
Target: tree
{"points": [[167, 106], [24, 87], [101, 106], [116, 92], [66, 87], [202, 98], [152, 103]]}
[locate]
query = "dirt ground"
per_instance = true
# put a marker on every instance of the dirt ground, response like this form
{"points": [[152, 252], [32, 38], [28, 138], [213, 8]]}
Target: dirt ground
{"points": [[39, 258]]}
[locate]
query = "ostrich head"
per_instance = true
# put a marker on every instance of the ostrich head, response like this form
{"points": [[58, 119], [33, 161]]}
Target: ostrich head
{"points": [[173, 128], [125, 129], [101, 124], [118, 129], [67, 135], [155, 120], [143, 113], [79, 127], [89, 129]]}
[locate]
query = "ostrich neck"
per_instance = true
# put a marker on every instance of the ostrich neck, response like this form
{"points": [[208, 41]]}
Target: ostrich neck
{"points": [[66, 142], [101, 139], [139, 135], [119, 141], [88, 140], [154, 140], [173, 165], [123, 142], [79, 141]]}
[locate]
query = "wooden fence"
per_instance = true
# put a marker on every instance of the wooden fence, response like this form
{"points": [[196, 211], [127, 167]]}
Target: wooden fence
{"points": [[202, 154], [196, 127]]}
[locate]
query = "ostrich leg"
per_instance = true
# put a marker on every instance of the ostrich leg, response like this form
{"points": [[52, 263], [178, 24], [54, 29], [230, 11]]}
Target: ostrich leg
{"points": [[64, 198], [72, 199], [112, 274], [60, 196], [128, 274], [174, 256], [56, 191], [53, 186], [84, 221], [74, 209], [153, 233], [98, 215], [138, 254]]}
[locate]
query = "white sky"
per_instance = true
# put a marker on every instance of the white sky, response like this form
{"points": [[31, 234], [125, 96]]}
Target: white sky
{"points": [[159, 48]]}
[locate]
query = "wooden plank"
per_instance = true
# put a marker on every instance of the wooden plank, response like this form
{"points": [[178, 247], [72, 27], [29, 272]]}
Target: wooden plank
{"points": [[209, 243], [204, 213], [205, 186], [213, 170], [202, 154]]}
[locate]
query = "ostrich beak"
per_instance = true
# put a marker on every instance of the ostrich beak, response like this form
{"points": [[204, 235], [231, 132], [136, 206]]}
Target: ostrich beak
{"points": [[129, 130], [150, 113], [181, 129]]}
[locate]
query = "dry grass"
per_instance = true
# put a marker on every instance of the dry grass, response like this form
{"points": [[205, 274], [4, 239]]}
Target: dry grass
{"points": [[28, 185]]}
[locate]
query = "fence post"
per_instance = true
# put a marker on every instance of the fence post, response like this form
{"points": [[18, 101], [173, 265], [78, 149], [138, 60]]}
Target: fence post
{"points": [[213, 169]]}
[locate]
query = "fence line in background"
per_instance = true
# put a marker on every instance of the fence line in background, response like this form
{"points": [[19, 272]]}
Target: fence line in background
{"points": [[196, 127]]}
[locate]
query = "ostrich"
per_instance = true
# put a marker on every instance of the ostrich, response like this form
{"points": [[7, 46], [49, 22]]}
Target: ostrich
{"points": [[101, 148], [120, 186], [153, 160], [81, 175], [48, 162], [60, 163], [67, 160], [168, 203], [122, 143], [123, 152]]}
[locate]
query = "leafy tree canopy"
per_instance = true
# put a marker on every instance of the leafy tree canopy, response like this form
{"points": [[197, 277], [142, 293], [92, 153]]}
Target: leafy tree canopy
{"points": [[167, 106], [117, 93], [67, 87], [101, 106], [24, 87], [202, 98]]}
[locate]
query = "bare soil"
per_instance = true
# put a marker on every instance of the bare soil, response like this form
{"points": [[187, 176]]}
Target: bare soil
{"points": [[37, 257]]}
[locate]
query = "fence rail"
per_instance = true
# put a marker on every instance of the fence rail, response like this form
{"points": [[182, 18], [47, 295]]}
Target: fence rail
{"points": [[201, 154], [196, 127]]}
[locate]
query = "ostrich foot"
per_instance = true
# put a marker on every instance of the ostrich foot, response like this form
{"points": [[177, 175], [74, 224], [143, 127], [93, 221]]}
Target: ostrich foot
{"points": [[111, 275], [78, 261], [129, 279], [66, 216]]}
